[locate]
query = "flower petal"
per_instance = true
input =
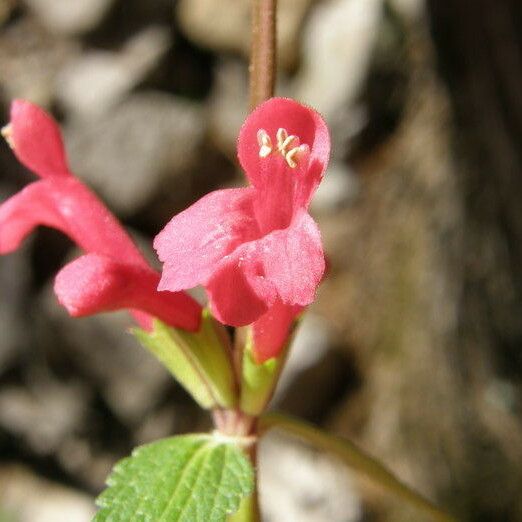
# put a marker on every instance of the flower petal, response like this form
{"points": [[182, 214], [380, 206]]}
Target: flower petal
{"points": [[194, 242], [67, 205], [36, 140], [293, 260], [286, 264], [271, 330], [238, 291], [21, 213], [274, 202], [297, 120], [95, 283]]}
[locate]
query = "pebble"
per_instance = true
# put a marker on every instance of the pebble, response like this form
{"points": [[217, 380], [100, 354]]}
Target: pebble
{"points": [[129, 152], [59, 16], [89, 86]]}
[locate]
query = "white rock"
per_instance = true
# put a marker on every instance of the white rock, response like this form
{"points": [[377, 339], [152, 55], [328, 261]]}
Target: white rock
{"points": [[130, 379], [127, 154], [228, 104], [30, 498], [337, 46], [297, 484], [31, 59], [410, 9], [226, 25], [44, 414], [339, 188], [309, 346], [69, 16], [89, 86]]}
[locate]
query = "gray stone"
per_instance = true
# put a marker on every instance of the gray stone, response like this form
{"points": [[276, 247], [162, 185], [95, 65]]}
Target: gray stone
{"points": [[226, 25], [28, 497], [228, 104], [297, 484], [135, 148], [14, 281], [339, 188], [90, 86], [30, 60], [410, 9], [130, 379], [311, 342], [337, 46], [69, 16], [44, 413]]}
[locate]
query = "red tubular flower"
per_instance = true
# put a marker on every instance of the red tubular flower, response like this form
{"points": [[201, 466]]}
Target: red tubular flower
{"points": [[113, 274], [256, 250]]}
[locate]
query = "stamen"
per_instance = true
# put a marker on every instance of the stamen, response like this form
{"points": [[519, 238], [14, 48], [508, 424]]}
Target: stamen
{"points": [[281, 136], [7, 133], [292, 156], [288, 146], [265, 143], [289, 140], [284, 141]]}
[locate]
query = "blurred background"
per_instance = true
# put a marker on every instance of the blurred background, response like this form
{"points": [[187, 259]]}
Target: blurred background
{"points": [[413, 348]]}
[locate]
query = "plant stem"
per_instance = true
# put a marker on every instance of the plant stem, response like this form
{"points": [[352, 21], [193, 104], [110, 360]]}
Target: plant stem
{"points": [[263, 52], [243, 426], [354, 458], [262, 81]]}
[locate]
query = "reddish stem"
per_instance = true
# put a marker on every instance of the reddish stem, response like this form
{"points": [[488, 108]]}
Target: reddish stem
{"points": [[263, 54]]}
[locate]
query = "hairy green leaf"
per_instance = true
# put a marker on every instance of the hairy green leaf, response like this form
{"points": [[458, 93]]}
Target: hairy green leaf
{"points": [[191, 478]]}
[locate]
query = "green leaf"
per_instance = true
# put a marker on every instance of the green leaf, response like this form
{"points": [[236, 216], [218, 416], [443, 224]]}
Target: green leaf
{"points": [[200, 361], [191, 478], [355, 458]]}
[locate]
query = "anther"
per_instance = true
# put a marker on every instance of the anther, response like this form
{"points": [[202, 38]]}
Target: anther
{"points": [[284, 141], [265, 143], [7, 133], [287, 146], [292, 155], [288, 142], [281, 136]]}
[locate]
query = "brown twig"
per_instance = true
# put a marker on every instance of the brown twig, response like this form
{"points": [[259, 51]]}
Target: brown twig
{"points": [[263, 53]]}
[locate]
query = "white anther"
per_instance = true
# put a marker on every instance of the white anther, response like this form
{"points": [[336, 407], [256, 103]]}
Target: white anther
{"points": [[7, 133], [281, 136], [293, 155], [287, 145], [265, 143], [284, 141]]}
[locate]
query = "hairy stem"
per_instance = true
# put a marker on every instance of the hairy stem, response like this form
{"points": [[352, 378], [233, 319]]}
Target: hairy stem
{"points": [[235, 423], [262, 82], [263, 53]]}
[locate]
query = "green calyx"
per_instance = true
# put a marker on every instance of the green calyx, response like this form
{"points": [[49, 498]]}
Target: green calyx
{"points": [[259, 380], [200, 361]]}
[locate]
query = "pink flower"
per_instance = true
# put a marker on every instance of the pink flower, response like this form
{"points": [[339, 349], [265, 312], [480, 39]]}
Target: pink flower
{"points": [[256, 250], [113, 274]]}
